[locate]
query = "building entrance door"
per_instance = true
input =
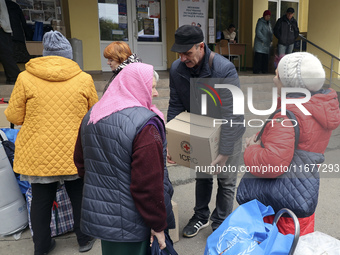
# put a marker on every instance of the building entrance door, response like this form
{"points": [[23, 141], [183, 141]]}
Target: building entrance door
{"points": [[139, 23]]}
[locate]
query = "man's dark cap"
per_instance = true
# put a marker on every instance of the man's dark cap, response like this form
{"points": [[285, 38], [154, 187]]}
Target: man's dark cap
{"points": [[290, 10], [186, 37]]}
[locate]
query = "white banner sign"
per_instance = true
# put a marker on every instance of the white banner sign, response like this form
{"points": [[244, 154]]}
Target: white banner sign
{"points": [[195, 13]]}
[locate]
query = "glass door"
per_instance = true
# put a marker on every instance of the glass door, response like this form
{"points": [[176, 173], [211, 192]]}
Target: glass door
{"points": [[272, 6], [139, 23], [149, 32], [114, 25]]}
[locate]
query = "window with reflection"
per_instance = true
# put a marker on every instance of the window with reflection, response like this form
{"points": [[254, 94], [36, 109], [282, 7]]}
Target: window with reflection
{"points": [[226, 14], [113, 20], [286, 4], [149, 20]]}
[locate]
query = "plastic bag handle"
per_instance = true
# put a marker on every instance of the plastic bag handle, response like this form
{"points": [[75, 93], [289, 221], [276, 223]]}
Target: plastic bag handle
{"points": [[296, 225]]}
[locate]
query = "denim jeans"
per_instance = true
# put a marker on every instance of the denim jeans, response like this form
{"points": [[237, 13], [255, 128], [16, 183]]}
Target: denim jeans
{"points": [[225, 192], [285, 49]]}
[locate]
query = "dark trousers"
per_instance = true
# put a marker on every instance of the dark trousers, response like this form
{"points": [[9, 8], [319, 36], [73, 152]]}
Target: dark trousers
{"points": [[6, 57], [260, 63], [225, 193], [43, 196]]}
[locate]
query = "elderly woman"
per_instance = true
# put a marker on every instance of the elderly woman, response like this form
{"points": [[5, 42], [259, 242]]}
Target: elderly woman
{"points": [[263, 39], [118, 55], [121, 149], [277, 144]]}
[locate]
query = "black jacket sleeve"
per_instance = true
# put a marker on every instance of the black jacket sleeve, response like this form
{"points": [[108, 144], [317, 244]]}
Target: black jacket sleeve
{"points": [[230, 133], [296, 29], [277, 29], [176, 105]]}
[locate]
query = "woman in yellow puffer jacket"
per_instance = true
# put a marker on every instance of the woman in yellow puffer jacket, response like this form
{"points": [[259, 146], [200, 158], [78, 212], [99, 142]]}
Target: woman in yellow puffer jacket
{"points": [[49, 100]]}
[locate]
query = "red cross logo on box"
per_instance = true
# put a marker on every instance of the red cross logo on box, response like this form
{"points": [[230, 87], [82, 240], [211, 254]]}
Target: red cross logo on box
{"points": [[186, 147]]}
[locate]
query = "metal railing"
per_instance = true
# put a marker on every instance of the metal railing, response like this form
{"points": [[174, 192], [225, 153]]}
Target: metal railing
{"points": [[333, 58]]}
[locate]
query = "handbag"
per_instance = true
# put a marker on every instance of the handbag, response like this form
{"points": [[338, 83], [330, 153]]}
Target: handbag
{"points": [[297, 189], [245, 232], [168, 250], [61, 213]]}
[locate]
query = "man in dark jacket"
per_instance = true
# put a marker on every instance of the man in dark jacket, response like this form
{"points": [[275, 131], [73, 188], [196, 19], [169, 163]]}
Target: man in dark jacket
{"points": [[6, 49], [286, 31], [21, 32], [197, 61]]}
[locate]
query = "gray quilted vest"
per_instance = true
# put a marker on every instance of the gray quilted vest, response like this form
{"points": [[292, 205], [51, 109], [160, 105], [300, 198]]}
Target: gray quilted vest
{"points": [[108, 209]]}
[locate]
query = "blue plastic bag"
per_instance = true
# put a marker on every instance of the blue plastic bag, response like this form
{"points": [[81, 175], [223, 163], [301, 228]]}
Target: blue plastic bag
{"points": [[11, 135], [244, 232]]}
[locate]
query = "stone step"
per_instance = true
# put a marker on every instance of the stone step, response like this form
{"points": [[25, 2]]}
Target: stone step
{"points": [[260, 87], [100, 85], [163, 92], [165, 112], [262, 104], [5, 91], [163, 83], [161, 103], [258, 82], [254, 79]]}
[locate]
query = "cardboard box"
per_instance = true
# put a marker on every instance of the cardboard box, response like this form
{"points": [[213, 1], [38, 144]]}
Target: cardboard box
{"points": [[174, 233], [34, 48], [3, 120], [193, 140]]}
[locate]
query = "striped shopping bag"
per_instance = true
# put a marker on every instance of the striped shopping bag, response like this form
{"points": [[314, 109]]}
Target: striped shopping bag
{"points": [[62, 215]]}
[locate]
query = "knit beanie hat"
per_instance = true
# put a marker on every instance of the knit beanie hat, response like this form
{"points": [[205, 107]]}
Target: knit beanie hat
{"points": [[301, 70], [265, 13], [57, 45]]}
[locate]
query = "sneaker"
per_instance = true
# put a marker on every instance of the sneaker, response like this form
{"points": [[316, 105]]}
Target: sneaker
{"points": [[88, 246], [194, 225]]}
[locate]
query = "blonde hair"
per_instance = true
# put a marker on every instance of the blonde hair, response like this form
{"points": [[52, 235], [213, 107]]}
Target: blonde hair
{"points": [[117, 51]]}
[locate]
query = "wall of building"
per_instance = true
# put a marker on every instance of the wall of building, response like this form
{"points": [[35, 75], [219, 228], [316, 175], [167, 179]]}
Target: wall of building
{"points": [[245, 27], [250, 12], [303, 15], [83, 17], [171, 26], [82, 23], [323, 31]]}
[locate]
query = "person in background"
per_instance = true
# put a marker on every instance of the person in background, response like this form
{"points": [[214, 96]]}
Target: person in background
{"points": [[121, 152], [118, 55], [297, 70], [230, 34], [197, 61], [49, 100], [286, 31], [6, 46], [263, 39], [20, 32]]}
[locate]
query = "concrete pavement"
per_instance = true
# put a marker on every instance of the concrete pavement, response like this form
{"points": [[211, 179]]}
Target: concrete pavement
{"points": [[184, 185]]}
